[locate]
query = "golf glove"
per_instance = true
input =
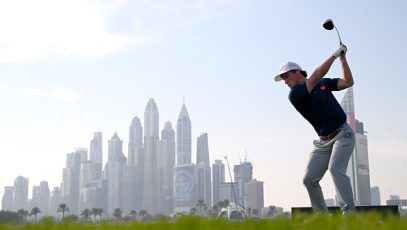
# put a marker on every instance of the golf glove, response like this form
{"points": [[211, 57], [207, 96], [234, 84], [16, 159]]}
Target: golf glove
{"points": [[341, 50]]}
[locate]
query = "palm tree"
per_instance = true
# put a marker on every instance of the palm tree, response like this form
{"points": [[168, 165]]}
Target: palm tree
{"points": [[35, 212], [133, 214], [249, 212], [63, 208], [200, 204], [117, 213], [94, 212], [22, 214], [86, 214], [255, 212], [143, 213], [99, 212]]}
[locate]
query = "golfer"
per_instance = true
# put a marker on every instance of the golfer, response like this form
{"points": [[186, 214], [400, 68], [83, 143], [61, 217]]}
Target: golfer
{"points": [[312, 97]]}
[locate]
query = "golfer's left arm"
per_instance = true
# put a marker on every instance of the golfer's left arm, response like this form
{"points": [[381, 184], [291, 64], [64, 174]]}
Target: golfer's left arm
{"points": [[347, 79]]}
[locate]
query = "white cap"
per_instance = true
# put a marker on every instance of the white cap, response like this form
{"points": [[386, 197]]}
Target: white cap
{"points": [[285, 68]]}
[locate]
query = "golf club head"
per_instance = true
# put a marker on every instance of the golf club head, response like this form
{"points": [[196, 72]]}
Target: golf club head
{"points": [[328, 24]]}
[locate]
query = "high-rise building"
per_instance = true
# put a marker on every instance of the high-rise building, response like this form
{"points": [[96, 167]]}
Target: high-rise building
{"points": [[41, 197], [228, 191], [243, 173], [151, 138], [90, 186], [96, 149], [115, 166], [7, 200], [218, 177], [375, 195], [358, 168], [166, 163], [70, 179], [135, 169], [55, 201], [183, 137], [20, 195], [203, 170], [255, 195], [185, 171]]}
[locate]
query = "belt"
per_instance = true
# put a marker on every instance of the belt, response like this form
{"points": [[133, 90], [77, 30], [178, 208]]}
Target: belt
{"points": [[329, 136]]}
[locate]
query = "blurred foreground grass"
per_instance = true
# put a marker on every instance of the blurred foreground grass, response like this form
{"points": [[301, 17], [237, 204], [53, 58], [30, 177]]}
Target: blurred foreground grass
{"points": [[360, 221]]}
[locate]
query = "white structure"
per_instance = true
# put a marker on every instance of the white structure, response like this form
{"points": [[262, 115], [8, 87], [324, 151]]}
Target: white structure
{"points": [[20, 195], [183, 137]]}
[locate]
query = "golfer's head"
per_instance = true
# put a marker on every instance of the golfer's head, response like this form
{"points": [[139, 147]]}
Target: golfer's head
{"points": [[291, 73]]}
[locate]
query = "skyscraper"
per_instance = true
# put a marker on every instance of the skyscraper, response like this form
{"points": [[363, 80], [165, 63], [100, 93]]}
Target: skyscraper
{"points": [[7, 200], [183, 137], [96, 150], [135, 169], [358, 168], [203, 169], [115, 166], [218, 178], [40, 197], [20, 196], [166, 163], [185, 171], [70, 179], [243, 173], [255, 195], [151, 137]]}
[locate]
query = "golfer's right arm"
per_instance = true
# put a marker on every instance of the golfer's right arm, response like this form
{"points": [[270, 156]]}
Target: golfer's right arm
{"points": [[347, 79]]}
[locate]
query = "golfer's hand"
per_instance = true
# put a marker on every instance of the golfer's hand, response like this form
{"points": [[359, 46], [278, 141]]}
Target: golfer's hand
{"points": [[340, 51]]}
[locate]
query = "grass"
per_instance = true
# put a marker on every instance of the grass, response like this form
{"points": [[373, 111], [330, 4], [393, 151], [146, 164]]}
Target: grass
{"points": [[359, 222]]}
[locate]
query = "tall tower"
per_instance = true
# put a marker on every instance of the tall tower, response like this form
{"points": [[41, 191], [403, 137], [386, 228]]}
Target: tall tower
{"points": [[95, 150], [151, 137], [20, 196], [135, 169], [243, 174], [183, 137], [204, 191], [166, 163], [184, 171], [358, 168], [115, 166], [218, 178]]}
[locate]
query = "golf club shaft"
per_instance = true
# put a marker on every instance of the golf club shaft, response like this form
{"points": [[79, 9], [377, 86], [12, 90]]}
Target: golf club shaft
{"points": [[339, 36]]}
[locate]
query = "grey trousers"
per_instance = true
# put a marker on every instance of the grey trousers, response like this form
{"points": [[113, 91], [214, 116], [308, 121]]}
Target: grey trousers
{"points": [[333, 154]]}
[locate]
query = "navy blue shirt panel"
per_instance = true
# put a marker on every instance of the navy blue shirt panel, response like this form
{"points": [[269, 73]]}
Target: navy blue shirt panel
{"points": [[320, 107]]}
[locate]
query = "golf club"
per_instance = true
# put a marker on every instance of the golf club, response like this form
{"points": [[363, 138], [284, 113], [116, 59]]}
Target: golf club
{"points": [[329, 25]]}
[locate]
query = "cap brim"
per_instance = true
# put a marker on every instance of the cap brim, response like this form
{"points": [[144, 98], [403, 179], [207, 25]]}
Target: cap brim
{"points": [[278, 78]]}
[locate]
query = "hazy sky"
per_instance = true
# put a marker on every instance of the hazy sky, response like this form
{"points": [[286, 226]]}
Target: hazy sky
{"points": [[70, 68]]}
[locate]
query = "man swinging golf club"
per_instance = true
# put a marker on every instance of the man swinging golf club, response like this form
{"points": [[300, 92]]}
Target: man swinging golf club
{"points": [[312, 97]]}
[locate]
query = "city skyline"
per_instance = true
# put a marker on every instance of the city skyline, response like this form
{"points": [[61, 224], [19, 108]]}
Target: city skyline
{"points": [[62, 78]]}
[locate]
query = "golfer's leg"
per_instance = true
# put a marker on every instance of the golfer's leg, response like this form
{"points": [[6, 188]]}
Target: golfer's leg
{"points": [[317, 166], [341, 153]]}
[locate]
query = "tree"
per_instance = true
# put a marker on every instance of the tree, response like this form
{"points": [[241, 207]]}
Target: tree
{"points": [[117, 213], [255, 212], [63, 208], [35, 211], [94, 212], [133, 214], [249, 212], [22, 214], [86, 214], [200, 204], [143, 213]]}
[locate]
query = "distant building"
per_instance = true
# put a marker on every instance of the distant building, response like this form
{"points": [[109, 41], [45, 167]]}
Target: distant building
{"points": [[402, 203], [7, 200], [20, 195], [41, 197], [375, 195], [55, 201], [358, 169], [218, 177], [243, 173], [136, 163], [228, 191], [184, 188], [203, 171], [255, 195], [166, 163]]}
